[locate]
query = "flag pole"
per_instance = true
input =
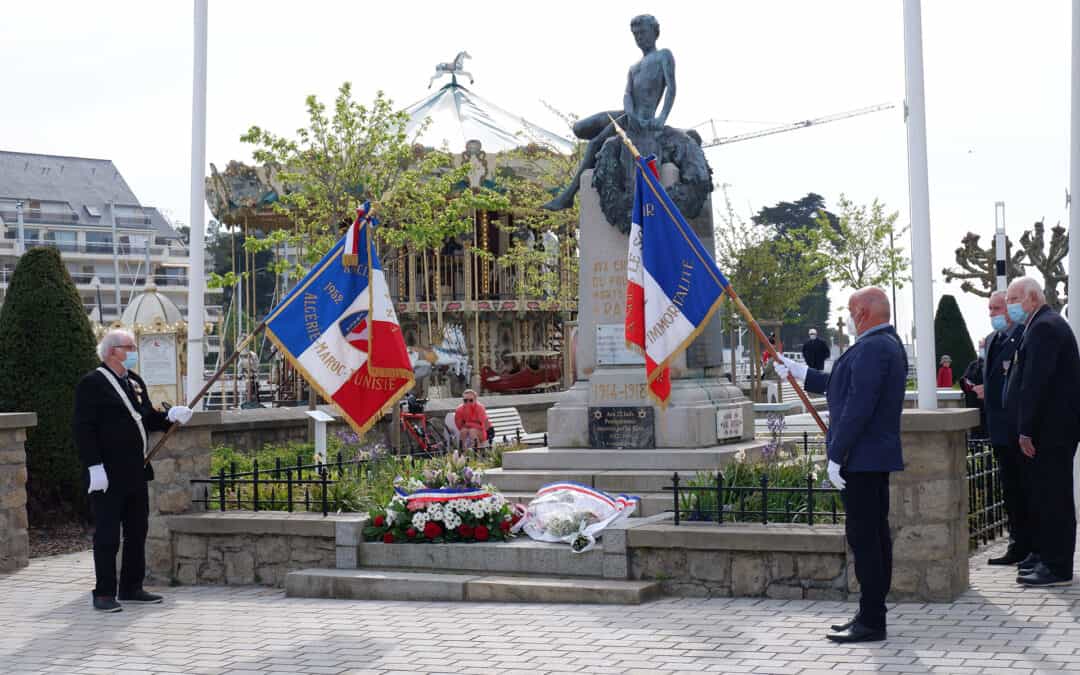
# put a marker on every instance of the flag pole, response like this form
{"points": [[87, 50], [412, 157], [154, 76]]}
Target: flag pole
{"points": [[742, 308], [206, 387]]}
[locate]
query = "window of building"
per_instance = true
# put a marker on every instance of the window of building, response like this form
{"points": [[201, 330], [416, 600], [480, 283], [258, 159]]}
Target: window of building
{"points": [[99, 242]]}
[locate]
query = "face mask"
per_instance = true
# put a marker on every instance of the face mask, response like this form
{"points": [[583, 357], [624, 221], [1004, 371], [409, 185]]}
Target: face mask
{"points": [[131, 360], [998, 323], [1017, 313], [851, 328], [982, 353]]}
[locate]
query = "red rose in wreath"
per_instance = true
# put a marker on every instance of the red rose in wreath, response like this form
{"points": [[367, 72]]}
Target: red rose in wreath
{"points": [[504, 525], [481, 533], [466, 531], [388, 538], [411, 533], [380, 520], [432, 530]]}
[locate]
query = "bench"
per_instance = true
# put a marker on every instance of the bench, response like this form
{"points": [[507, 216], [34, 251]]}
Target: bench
{"points": [[507, 423]]}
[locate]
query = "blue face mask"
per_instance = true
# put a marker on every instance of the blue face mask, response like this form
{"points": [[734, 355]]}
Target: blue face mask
{"points": [[999, 323], [131, 360], [1017, 313]]}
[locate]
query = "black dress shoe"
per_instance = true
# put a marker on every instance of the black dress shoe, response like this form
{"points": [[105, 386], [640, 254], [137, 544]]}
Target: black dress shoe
{"points": [[1011, 557], [858, 633], [841, 627], [1042, 576], [1029, 563], [106, 603], [140, 596]]}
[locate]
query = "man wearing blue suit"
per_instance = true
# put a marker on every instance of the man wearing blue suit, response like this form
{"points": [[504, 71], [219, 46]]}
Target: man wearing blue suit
{"points": [[1001, 348], [865, 391], [1043, 400]]}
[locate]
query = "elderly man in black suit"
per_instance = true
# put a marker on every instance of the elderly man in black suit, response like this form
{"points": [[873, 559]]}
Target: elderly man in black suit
{"points": [[1043, 399], [1000, 353], [112, 421]]}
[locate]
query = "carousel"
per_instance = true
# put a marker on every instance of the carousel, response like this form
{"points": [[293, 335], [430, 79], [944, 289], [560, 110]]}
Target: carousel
{"points": [[466, 317]]}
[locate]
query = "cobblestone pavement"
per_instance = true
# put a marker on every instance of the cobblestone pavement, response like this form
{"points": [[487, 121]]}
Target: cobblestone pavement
{"points": [[46, 625]]}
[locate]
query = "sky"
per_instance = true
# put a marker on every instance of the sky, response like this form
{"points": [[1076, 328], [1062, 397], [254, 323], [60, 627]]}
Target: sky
{"points": [[113, 80]]}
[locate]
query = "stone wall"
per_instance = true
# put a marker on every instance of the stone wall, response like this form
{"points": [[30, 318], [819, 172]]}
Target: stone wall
{"points": [[928, 506], [741, 560], [184, 457], [14, 541], [249, 548]]}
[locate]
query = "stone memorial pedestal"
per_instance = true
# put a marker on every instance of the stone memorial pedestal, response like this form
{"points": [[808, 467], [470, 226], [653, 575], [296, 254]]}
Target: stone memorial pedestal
{"points": [[704, 411]]}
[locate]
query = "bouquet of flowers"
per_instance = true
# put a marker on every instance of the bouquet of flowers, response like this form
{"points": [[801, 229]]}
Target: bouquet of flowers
{"points": [[573, 513]]}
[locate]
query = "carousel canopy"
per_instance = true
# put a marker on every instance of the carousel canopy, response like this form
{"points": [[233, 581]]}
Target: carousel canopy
{"points": [[458, 115], [149, 308]]}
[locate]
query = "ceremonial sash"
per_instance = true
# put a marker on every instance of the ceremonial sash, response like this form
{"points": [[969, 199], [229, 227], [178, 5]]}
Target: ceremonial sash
{"points": [[127, 402]]}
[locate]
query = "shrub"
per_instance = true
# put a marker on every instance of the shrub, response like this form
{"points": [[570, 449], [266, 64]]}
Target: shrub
{"points": [[46, 346], [951, 336]]}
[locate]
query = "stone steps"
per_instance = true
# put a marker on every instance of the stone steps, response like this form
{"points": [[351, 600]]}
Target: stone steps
{"points": [[395, 584], [521, 555], [659, 459], [613, 482]]}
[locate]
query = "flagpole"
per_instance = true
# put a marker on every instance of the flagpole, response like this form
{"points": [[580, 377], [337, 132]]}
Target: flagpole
{"points": [[742, 308], [209, 383]]}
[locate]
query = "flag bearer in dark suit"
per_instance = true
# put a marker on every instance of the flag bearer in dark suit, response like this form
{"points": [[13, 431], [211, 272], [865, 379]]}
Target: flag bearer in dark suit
{"points": [[1043, 399], [113, 417], [1000, 353], [865, 391]]}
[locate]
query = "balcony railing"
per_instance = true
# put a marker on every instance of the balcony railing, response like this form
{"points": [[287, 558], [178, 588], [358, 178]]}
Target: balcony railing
{"points": [[91, 248]]}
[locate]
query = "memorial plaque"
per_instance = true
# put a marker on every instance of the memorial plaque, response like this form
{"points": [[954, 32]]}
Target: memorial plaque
{"points": [[622, 427], [157, 359], [729, 423], [611, 349]]}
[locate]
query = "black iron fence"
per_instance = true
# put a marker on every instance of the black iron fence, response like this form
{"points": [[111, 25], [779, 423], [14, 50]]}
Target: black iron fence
{"points": [[763, 503], [986, 501], [283, 487]]}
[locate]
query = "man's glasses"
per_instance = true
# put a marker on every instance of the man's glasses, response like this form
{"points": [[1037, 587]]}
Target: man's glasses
{"points": [[125, 346], [468, 400]]}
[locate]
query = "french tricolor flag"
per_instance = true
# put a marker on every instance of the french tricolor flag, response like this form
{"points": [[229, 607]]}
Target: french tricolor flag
{"points": [[339, 329], [673, 286]]}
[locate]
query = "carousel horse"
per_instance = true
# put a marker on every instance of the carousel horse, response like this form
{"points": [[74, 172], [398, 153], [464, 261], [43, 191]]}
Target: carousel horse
{"points": [[456, 67], [452, 353]]}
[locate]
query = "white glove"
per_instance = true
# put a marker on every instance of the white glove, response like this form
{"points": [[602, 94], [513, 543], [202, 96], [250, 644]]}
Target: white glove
{"points": [[834, 475], [789, 366], [179, 413], [98, 480]]}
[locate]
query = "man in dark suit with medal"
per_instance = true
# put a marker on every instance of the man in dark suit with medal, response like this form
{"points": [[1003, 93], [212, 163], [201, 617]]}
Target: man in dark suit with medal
{"points": [[1042, 399], [1000, 353], [112, 421], [865, 391]]}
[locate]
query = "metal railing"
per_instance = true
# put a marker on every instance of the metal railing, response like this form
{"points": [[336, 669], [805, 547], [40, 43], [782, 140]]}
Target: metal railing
{"points": [[762, 503], [986, 501]]}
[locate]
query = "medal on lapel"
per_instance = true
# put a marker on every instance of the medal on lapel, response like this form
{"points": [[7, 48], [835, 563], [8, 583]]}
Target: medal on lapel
{"points": [[138, 391]]}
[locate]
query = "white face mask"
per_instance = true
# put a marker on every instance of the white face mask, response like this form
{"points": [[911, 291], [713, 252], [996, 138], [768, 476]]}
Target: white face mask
{"points": [[851, 328]]}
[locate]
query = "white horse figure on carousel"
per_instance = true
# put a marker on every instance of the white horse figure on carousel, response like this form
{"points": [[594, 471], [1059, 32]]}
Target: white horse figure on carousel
{"points": [[455, 67], [452, 353]]}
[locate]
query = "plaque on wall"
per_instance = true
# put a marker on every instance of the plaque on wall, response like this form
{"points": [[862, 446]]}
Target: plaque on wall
{"points": [[611, 349], [622, 427], [157, 359], [729, 423]]}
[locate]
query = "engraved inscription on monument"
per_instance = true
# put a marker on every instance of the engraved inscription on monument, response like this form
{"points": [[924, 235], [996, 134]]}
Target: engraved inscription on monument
{"points": [[622, 427], [729, 423], [611, 349]]}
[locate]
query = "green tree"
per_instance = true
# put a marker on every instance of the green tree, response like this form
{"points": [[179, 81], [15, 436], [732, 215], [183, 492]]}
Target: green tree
{"points": [[46, 346], [791, 219], [951, 336], [856, 251]]}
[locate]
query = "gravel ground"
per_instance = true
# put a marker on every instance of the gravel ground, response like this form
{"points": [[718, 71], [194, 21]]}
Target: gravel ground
{"points": [[57, 539]]}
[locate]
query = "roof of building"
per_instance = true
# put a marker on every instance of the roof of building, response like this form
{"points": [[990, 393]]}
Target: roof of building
{"points": [[458, 115], [75, 191]]}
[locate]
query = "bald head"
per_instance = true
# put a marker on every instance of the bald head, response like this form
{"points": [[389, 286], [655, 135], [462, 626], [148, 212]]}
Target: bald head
{"points": [[869, 307]]}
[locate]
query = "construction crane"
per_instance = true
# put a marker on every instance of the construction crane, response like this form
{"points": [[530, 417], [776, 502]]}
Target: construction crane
{"points": [[725, 140]]}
